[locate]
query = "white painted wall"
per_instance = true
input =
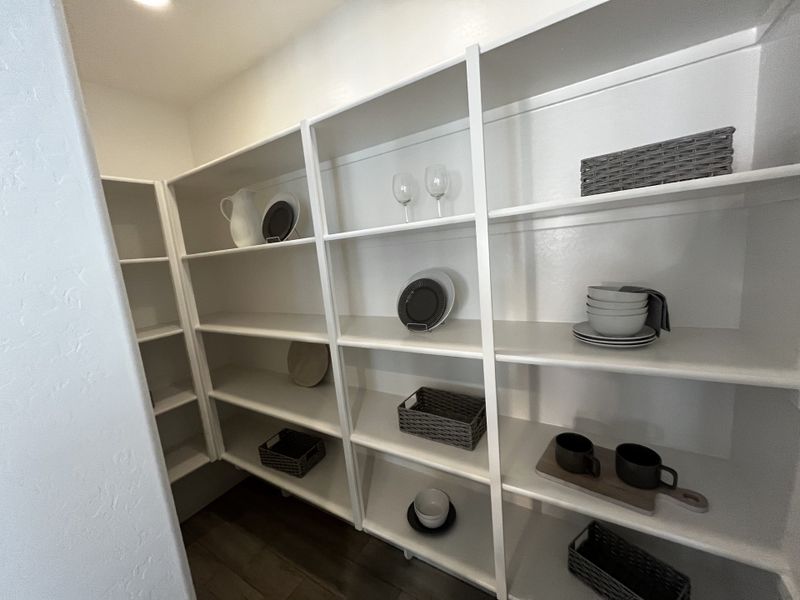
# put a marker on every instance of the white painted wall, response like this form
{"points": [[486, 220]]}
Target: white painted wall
{"points": [[135, 136], [85, 510], [360, 48]]}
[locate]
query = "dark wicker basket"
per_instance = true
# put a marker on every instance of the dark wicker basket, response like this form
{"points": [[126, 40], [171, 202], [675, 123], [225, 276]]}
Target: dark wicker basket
{"points": [[618, 570], [292, 452], [690, 157], [453, 419]]}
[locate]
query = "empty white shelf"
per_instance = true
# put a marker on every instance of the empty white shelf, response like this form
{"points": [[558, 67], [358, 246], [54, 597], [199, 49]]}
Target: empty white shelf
{"points": [[304, 328], [439, 224], [377, 427], [186, 458], [324, 486], [466, 550], [171, 397], [249, 249], [274, 394], [143, 261], [723, 355], [742, 524], [758, 187], [156, 332], [457, 337]]}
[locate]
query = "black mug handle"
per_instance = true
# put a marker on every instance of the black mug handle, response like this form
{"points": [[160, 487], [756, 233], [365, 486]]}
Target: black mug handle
{"points": [[672, 472], [592, 466]]}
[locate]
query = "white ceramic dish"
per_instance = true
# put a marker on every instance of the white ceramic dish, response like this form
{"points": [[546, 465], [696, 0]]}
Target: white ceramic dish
{"points": [[584, 330], [608, 293], [443, 279], [295, 204], [609, 325], [431, 507], [600, 304], [610, 345], [615, 312]]}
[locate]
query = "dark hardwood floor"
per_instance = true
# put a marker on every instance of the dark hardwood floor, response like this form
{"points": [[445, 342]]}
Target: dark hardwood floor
{"points": [[254, 544]]}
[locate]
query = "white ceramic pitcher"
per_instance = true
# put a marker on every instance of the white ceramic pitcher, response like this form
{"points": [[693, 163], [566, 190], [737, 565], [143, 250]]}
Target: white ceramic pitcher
{"points": [[244, 219]]}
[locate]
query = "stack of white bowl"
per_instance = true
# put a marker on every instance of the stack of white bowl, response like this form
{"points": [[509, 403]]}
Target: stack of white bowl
{"points": [[615, 313]]}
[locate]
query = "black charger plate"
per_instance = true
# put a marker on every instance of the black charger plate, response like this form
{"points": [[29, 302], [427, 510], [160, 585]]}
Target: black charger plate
{"points": [[278, 221], [423, 302], [413, 520]]}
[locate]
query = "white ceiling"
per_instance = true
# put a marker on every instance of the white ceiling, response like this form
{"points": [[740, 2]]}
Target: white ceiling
{"points": [[179, 54]]}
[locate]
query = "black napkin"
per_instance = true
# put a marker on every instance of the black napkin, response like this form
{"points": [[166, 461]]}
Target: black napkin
{"points": [[657, 309]]}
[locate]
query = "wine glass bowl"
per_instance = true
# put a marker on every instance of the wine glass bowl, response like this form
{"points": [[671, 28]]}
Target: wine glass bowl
{"points": [[437, 182], [404, 189]]}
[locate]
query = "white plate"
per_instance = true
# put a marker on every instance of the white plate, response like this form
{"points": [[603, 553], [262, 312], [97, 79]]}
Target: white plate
{"points": [[608, 345], [586, 331], [611, 343]]}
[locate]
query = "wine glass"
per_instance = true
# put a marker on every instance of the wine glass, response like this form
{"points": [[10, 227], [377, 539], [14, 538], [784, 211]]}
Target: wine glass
{"points": [[404, 190], [436, 181]]}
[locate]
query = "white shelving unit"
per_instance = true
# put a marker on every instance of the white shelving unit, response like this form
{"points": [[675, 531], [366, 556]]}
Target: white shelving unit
{"points": [[717, 396]]}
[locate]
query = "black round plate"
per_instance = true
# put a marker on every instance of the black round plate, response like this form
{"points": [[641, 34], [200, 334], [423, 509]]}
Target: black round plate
{"points": [[413, 520], [278, 221], [423, 301]]}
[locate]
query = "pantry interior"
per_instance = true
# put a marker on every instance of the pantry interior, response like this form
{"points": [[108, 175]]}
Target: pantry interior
{"points": [[511, 119]]}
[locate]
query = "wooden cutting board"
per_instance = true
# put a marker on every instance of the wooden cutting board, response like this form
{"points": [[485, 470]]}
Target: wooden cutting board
{"points": [[609, 487]]}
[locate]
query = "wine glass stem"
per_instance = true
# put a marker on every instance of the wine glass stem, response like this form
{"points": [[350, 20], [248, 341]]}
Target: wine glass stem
{"points": [[439, 206], [405, 211]]}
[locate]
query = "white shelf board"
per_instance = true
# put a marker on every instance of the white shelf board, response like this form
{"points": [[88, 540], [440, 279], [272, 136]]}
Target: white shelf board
{"points": [[250, 249], [741, 524], [465, 551], [376, 426], [536, 551], [173, 396], [273, 394], [762, 186], [457, 337], [156, 332], [438, 224], [186, 458], [143, 261], [324, 486], [284, 326], [721, 355]]}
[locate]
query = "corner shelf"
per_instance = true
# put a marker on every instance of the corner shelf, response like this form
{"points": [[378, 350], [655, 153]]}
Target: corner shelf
{"points": [[171, 397], [273, 394], [460, 338], [324, 486], [443, 223], [186, 458], [774, 184], [249, 249], [732, 528], [156, 332], [721, 355], [375, 427], [284, 326]]}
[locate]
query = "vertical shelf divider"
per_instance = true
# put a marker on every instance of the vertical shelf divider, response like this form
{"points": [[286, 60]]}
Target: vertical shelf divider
{"points": [[187, 310], [475, 102], [318, 215]]}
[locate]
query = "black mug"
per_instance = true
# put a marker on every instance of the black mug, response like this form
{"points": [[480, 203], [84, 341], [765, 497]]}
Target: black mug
{"points": [[575, 453], [641, 467]]}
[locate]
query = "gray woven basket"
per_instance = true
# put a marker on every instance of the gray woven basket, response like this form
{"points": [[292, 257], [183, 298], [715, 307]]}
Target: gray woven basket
{"points": [[292, 452], [694, 156], [618, 570], [453, 419]]}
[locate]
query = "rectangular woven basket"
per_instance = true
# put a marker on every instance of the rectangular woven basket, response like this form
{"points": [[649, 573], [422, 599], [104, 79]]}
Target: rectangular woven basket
{"points": [[453, 419], [704, 154], [618, 570], [292, 452]]}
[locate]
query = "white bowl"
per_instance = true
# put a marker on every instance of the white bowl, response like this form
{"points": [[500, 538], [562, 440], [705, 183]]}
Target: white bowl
{"points": [[431, 507], [608, 293], [600, 304], [608, 325], [615, 312]]}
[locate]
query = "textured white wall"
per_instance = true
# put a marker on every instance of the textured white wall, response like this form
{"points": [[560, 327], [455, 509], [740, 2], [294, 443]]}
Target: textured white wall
{"points": [[134, 136], [85, 510], [360, 48]]}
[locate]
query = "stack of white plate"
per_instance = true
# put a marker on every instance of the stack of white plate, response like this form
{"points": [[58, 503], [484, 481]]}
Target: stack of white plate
{"points": [[616, 319]]}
